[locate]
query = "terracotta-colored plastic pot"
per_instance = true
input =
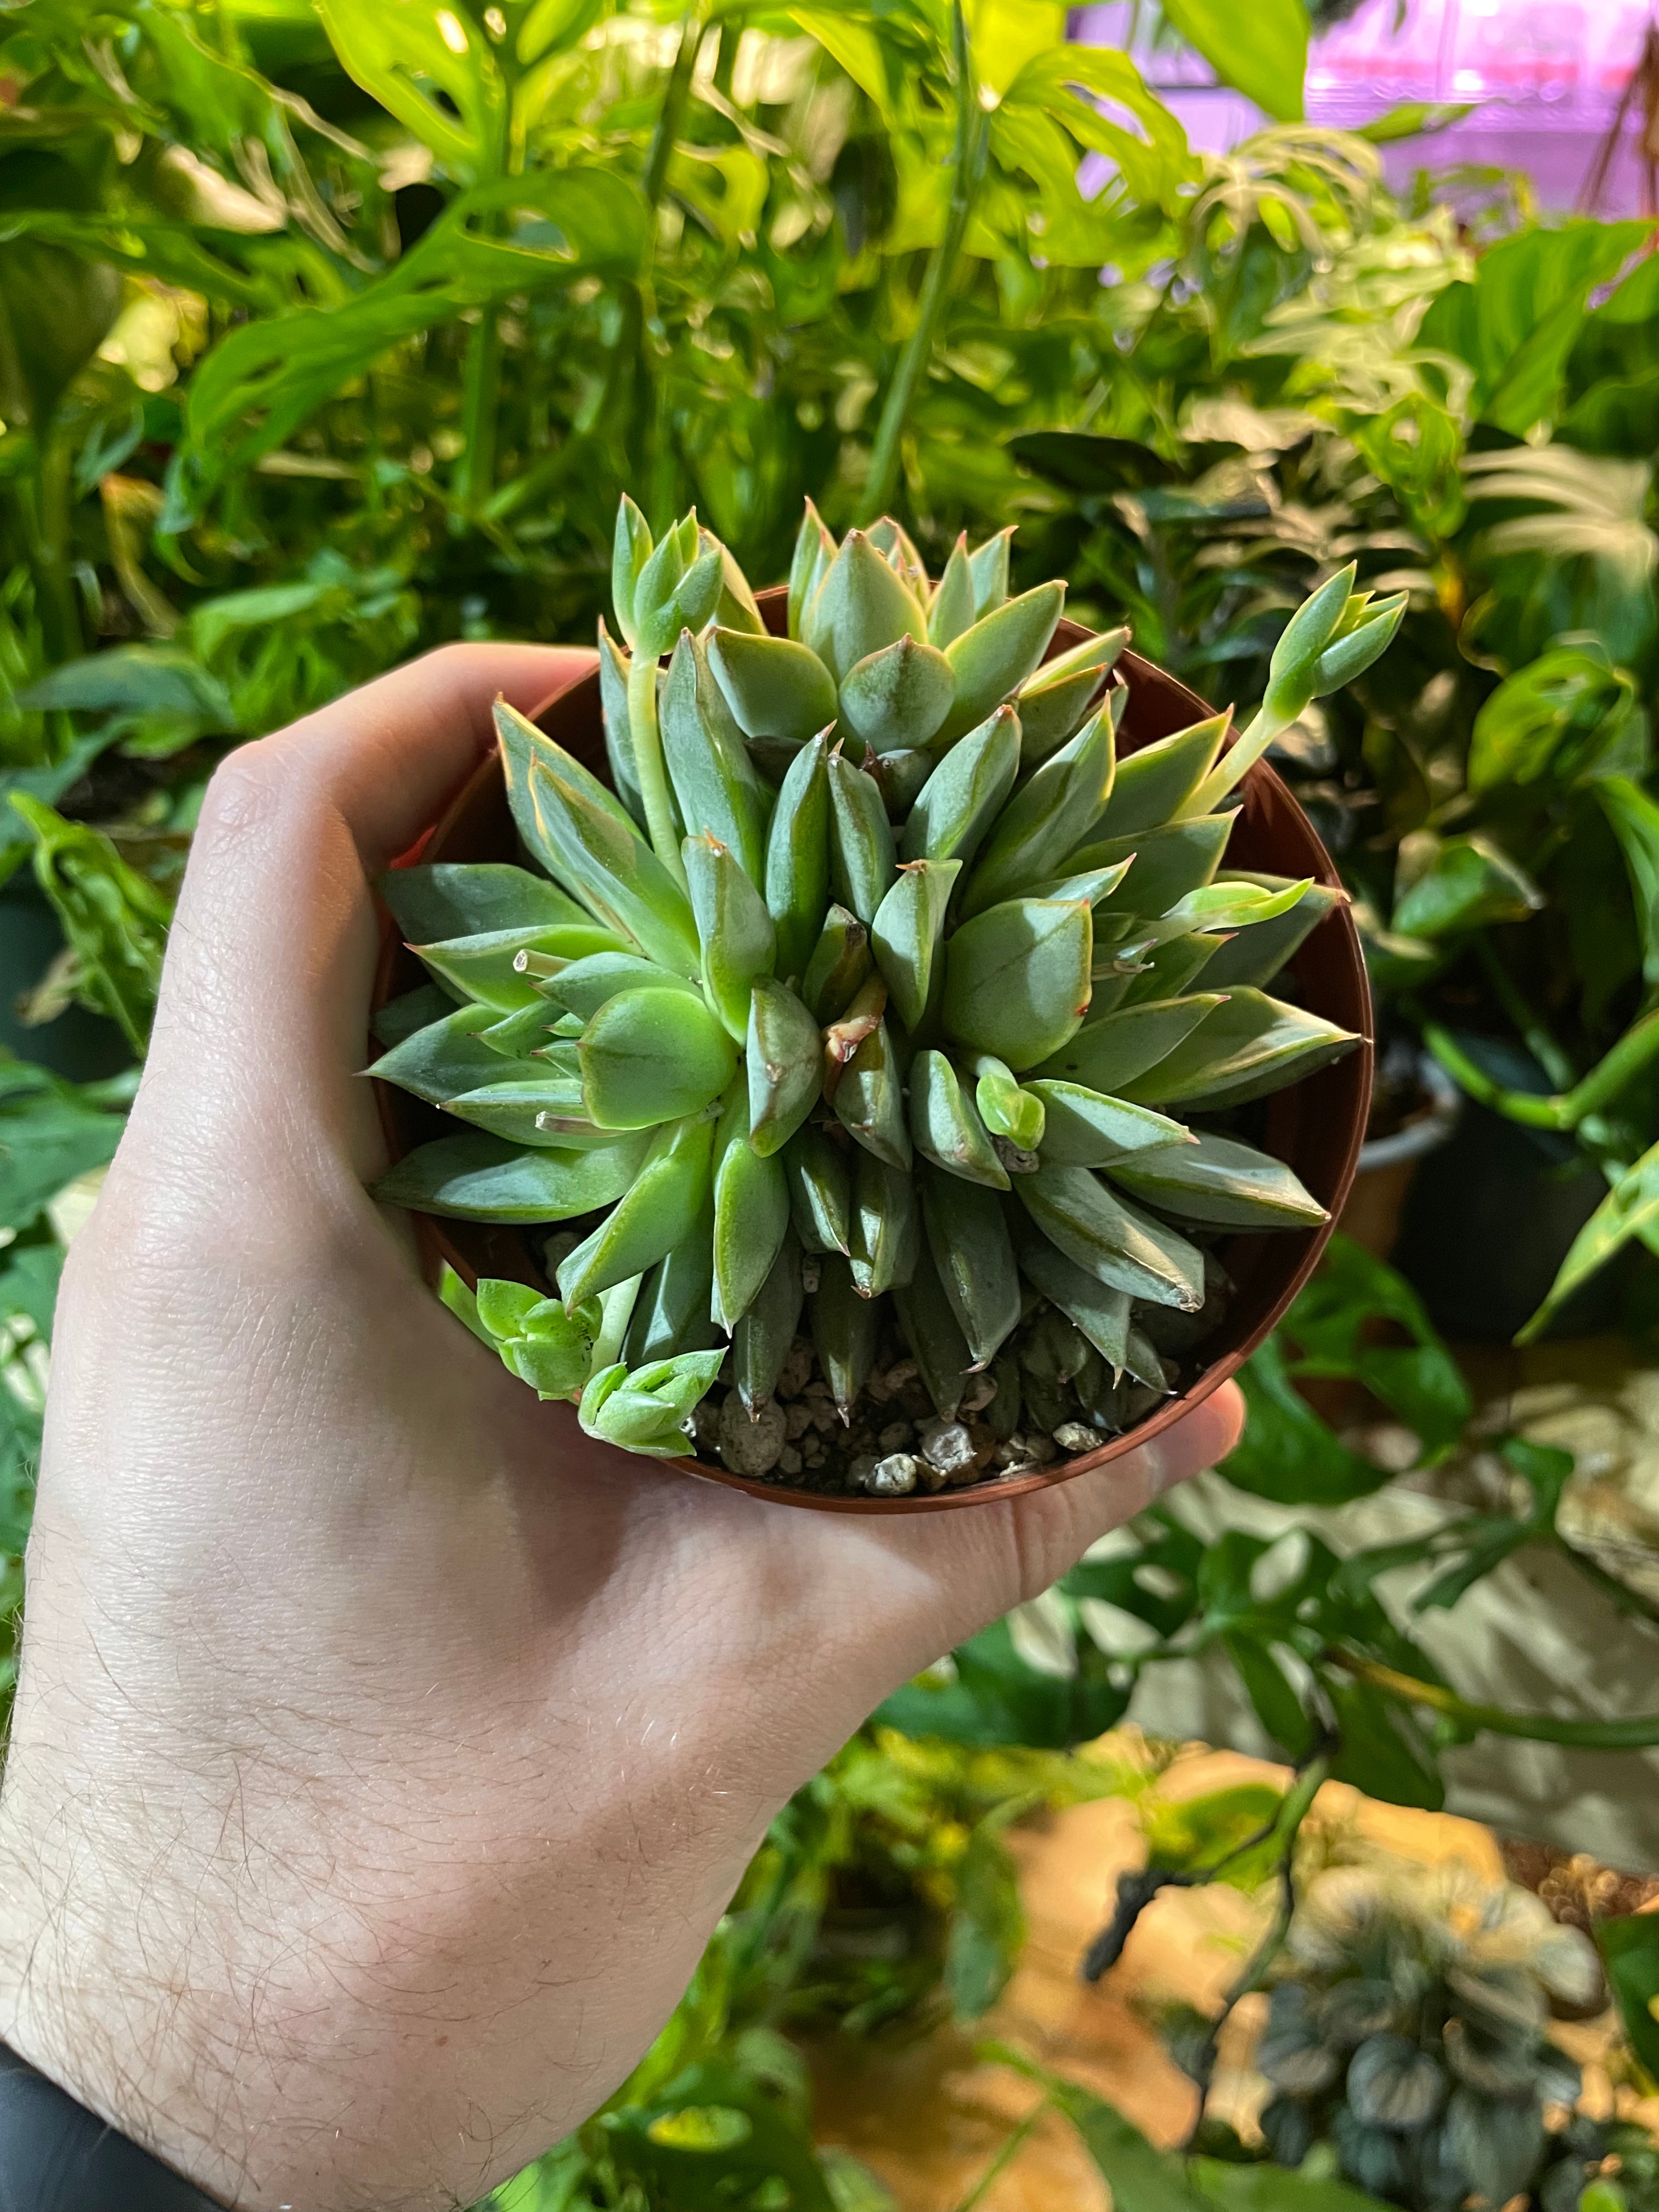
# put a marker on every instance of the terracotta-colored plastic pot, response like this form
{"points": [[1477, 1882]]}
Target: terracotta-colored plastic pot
{"points": [[1317, 1126]]}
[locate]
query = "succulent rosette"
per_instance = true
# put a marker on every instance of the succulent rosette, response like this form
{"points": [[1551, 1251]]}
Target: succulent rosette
{"points": [[876, 976]]}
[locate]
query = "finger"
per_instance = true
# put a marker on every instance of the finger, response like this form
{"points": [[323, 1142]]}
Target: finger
{"points": [[263, 1016], [940, 1579]]}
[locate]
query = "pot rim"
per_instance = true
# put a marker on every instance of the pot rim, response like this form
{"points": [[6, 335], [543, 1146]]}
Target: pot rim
{"points": [[437, 1245]]}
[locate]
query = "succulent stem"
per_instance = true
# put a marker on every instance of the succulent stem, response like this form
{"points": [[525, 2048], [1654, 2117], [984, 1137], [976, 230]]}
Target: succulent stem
{"points": [[647, 739]]}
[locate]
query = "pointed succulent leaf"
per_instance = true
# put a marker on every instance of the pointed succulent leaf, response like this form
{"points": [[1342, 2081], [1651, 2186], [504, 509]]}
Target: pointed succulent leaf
{"points": [[1094, 887], [443, 1059], [869, 1099], [1250, 1046], [1233, 902], [751, 1213], [815, 549], [895, 700], [582, 987], [657, 1211], [764, 1335], [862, 856], [1083, 1129], [647, 1411], [736, 608], [670, 1314], [945, 1125], [688, 605], [775, 686], [465, 898], [527, 1030], [987, 564], [1155, 781], [1017, 979], [739, 940], [594, 850], [907, 933], [653, 597], [843, 1037], [631, 548], [785, 1065], [965, 792], [1112, 1240], [841, 962], [482, 1178], [1172, 970], [1112, 1050], [541, 1111], [901, 777], [798, 857], [1313, 626], [410, 1013], [990, 661], [1347, 657], [1101, 1312], [820, 1191], [1038, 828], [1055, 702], [649, 1056], [934, 1335], [1219, 1181], [968, 1237], [486, 967], [845, 1331], [618, 730], [860, 606], [537, 1339], [952, 608], [896, 547], [1015, 1115], [886, 1226], [707, 761], [1165, 863], [1254, 954]]}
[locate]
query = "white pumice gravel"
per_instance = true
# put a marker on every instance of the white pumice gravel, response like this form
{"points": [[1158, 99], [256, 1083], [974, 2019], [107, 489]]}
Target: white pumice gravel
{"points": [[1075, 1437], [947, 1446], [750, 1446]]}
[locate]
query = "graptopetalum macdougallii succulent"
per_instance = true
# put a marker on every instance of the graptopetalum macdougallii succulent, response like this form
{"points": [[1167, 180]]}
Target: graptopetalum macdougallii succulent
{"points": [[878, 977]]}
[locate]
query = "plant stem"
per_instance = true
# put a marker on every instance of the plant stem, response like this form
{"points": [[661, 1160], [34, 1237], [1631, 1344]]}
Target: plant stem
{"points": [[1287, 1825], [647, 741], [671, 114], [1235, 764], [1567, 1108], [969, 163], [1638, 1735], [481, 391]]}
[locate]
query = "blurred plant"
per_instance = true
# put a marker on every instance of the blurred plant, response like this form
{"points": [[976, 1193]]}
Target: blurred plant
{"points": [[1326, 1661], [882, 1895]]}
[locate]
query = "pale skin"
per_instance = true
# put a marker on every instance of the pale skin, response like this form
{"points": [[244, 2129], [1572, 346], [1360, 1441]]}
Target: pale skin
{"points": [[385, 1751]]}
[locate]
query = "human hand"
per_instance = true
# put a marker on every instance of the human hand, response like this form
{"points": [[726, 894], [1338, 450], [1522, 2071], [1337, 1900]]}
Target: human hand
{"points": [[384, 1750]]}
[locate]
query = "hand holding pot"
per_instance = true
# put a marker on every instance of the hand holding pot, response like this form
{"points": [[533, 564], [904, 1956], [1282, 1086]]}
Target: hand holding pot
{"points": [[385, 1751]]}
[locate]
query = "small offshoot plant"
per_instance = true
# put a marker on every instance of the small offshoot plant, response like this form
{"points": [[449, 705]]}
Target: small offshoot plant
{"points": [[879, 981]]}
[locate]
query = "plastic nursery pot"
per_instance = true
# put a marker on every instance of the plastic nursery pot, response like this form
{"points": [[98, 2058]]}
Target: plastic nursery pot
{"points": [[1316, 1127]]}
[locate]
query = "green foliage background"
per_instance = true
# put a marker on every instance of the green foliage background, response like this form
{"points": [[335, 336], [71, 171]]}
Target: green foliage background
{"points": [[331, 331]]}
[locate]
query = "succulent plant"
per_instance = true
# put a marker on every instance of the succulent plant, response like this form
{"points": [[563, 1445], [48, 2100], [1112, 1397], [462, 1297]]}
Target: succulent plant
{"points": [[1408, 2030], [877, 974]]}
